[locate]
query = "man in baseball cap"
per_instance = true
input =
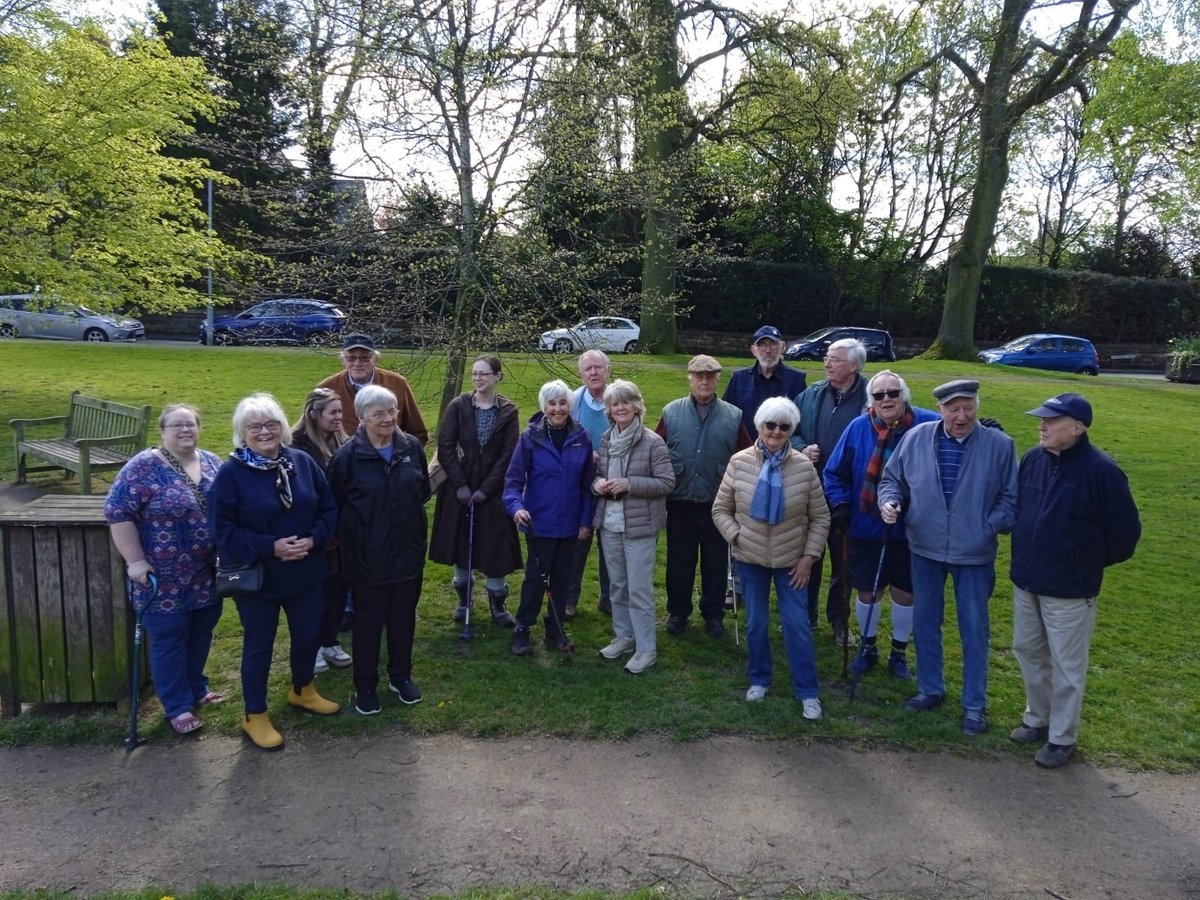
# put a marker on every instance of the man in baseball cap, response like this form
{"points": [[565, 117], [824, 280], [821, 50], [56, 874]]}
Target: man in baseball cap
{"points": [[701, 432], [956, 482], [1075, 516], [359, 358], [767, 377]]}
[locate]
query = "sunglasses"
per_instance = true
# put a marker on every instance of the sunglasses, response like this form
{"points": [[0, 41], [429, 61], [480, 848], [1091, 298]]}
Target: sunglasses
{"points": [[891, 395], [777, 426]]}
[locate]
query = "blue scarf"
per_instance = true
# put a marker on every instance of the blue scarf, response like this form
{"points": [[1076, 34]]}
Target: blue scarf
{"points": [[282, 465], [767, 505]]}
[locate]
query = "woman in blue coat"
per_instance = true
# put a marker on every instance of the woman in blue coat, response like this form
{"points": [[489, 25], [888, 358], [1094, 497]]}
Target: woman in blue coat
{"points": [[547, 491], [271, 505]]}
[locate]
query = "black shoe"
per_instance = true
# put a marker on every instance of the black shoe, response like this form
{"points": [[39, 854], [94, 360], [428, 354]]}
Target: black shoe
{"points": [[408, 692], [1054, 756], [898, 666], [865, 661], [520, 641], [924, 702], [1029, 734], [676, 624], [367, 702], [714, 628]]}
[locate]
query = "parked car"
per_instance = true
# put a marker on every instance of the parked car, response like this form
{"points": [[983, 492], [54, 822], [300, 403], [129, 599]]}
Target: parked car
{"points": [[609, 333], [1059, 352], [813, 347], [35, 316], [291, 320]]}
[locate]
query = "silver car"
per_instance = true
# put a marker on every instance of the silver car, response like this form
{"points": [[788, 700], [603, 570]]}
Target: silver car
{"points": [[31, 316]]}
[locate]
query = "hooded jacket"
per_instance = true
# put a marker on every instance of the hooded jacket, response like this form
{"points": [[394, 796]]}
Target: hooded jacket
{"points": [[554, 486]]}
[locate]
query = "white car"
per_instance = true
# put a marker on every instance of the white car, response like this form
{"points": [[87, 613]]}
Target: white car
{"points": [[608, 333]]}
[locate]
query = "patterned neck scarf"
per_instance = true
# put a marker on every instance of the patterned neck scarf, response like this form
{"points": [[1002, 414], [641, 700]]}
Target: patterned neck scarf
{"points": [[767, 503], [282, 466], [886, 438]]}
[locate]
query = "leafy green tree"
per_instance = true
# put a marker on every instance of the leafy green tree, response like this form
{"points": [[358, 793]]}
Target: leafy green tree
{"points": [[90, 207]]}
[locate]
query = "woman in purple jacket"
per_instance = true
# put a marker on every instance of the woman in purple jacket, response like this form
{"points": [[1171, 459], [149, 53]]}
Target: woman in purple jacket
{"points": [[547, 491]]}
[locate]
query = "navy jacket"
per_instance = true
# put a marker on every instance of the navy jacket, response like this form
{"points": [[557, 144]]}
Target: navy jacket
{"points": [[1075, 515], [748, 388], [554, 486], [246, 519], [381, 509]]}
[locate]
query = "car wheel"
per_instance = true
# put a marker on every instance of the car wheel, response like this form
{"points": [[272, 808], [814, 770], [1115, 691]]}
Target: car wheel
{"points": [[631, 347], [8, 331], [224, 339], [1088, 370], [562, 345], [95, 336]]}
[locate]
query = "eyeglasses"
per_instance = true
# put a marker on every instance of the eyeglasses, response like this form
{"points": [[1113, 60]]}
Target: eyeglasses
{"points": [[260, 427], [891, 395], [482, 374], [777, 426], [182, 426], [359, 357], [834, 359]]}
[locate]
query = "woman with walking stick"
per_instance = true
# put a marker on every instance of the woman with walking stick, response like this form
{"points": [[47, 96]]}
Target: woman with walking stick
{"points": [[158, 518], [476, 439]]}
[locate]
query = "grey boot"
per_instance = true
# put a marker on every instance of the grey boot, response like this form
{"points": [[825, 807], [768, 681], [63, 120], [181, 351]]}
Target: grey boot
{"points": [[460, 613], [500, 616]]}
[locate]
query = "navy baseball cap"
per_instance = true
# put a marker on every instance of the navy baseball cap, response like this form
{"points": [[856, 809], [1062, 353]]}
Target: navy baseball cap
{"points": [[767, 331], [1073, 405], [352, 341]]}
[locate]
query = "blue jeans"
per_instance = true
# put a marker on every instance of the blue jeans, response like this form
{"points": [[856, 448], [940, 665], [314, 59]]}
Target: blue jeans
{"points": [[972, 588], [260, 621], [178, 646], [797, 635]]}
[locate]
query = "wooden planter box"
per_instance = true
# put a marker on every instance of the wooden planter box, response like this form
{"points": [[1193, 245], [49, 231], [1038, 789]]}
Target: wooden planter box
{"points": [[67, 625], [1187, 375]]}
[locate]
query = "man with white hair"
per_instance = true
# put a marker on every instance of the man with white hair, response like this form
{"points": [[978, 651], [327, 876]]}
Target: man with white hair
{"points": [[587, 408], [956, 480], [359, 358], [852, 475], [826, 408]]}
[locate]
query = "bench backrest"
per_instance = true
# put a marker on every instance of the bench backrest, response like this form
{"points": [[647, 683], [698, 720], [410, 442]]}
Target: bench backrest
{"points": [[88, 417]]}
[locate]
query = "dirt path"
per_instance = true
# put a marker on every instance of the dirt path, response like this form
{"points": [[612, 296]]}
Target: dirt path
{"points": [[723, 816]]}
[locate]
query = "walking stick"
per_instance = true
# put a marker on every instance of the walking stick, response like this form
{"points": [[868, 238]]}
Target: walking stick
{"points": [[862, 647], [467, 633], [135, 687], [731, 593], [564, 644]]}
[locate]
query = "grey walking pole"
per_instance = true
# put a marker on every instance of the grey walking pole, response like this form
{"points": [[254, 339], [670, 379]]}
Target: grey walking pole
{"points": [[862, 647], [731, 592], [135, 687], [467, 633]]}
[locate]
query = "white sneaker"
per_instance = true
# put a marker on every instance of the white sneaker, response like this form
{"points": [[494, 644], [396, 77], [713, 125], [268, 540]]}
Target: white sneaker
{"points": [[812, 709], [320, 665], [336, 656], [617, 647], [845, 638], [640, 662], [756, 692]]}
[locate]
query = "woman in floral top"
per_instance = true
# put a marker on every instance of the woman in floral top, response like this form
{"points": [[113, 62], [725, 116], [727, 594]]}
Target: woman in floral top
{"points": [[159, 522]]}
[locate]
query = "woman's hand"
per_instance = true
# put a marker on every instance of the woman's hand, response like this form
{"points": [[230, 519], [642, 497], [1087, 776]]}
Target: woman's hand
{"points": [[617, 487], [139, 572], [478, 497], [584, 532], [599, 486], [463, 495], [801, 571], [522, 518], [293, 548]]}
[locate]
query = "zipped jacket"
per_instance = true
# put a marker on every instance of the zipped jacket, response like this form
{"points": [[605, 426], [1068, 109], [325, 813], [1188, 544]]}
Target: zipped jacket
{"points": [[554, 486]]}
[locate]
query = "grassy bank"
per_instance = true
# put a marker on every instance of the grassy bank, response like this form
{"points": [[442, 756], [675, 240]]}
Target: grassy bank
{"points": [[1141, 708]]}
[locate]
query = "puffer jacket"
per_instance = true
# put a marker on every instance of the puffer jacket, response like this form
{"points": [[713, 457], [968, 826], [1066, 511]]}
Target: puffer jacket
{"points": [[805, 525], [651, 478]]}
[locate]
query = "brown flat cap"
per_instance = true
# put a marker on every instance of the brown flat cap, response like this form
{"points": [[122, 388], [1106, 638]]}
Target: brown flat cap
{"points": [[703, 363]]}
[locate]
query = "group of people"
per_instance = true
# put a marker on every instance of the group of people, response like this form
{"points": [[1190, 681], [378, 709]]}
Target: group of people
{"points": [[758, 486]]}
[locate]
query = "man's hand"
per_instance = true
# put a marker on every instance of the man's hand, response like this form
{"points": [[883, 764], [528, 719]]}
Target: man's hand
{"points": [[889, 512]]}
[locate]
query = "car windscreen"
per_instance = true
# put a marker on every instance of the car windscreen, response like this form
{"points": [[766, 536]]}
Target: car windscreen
{"points": [[1019, 343]]}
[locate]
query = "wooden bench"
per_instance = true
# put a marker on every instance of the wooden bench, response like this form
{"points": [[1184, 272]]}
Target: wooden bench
{"points": [[97, 436]]}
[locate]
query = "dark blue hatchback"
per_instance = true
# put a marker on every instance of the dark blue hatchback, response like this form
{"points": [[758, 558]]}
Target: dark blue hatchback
{"points": [[288, 321], [1058, 352]]}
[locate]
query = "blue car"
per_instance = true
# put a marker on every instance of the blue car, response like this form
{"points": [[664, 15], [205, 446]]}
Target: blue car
{"points": [[288, 321], [1058, 352]]}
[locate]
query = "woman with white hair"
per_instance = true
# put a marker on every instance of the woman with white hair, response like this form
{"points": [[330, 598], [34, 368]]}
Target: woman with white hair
{"points": [[271, 505], [381, 482], [852, 475], [547, 491], [634, 475], [771, 510]]}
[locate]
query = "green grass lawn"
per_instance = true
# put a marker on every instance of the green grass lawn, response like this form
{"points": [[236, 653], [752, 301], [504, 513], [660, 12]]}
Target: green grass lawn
{"points": [[1142, 706]]}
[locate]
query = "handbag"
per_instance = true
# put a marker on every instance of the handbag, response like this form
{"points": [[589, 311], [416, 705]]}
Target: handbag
{"points": [[239, 580], [437, 475]]}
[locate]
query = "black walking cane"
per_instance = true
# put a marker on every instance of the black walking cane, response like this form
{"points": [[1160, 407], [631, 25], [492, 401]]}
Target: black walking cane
{"points": [[135, 688], [862, 647], [564, 644]]}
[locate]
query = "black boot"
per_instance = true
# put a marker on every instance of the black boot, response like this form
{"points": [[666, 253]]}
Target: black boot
{"points": [[460, 612], [555, 636], [500, 616], [520, 641]]}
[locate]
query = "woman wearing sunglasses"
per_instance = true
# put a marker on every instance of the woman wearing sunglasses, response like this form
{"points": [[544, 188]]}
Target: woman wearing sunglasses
{"points": [[852, 475], [771, 509]]}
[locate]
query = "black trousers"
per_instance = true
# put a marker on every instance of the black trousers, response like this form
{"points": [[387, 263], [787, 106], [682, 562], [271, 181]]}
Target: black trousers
{"points": [[379, 608], [554, 558], [837, 595], [691, 535]]}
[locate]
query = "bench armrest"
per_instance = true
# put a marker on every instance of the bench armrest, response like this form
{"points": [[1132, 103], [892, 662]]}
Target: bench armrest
{"points": [[105, 441], [19, 424]]}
